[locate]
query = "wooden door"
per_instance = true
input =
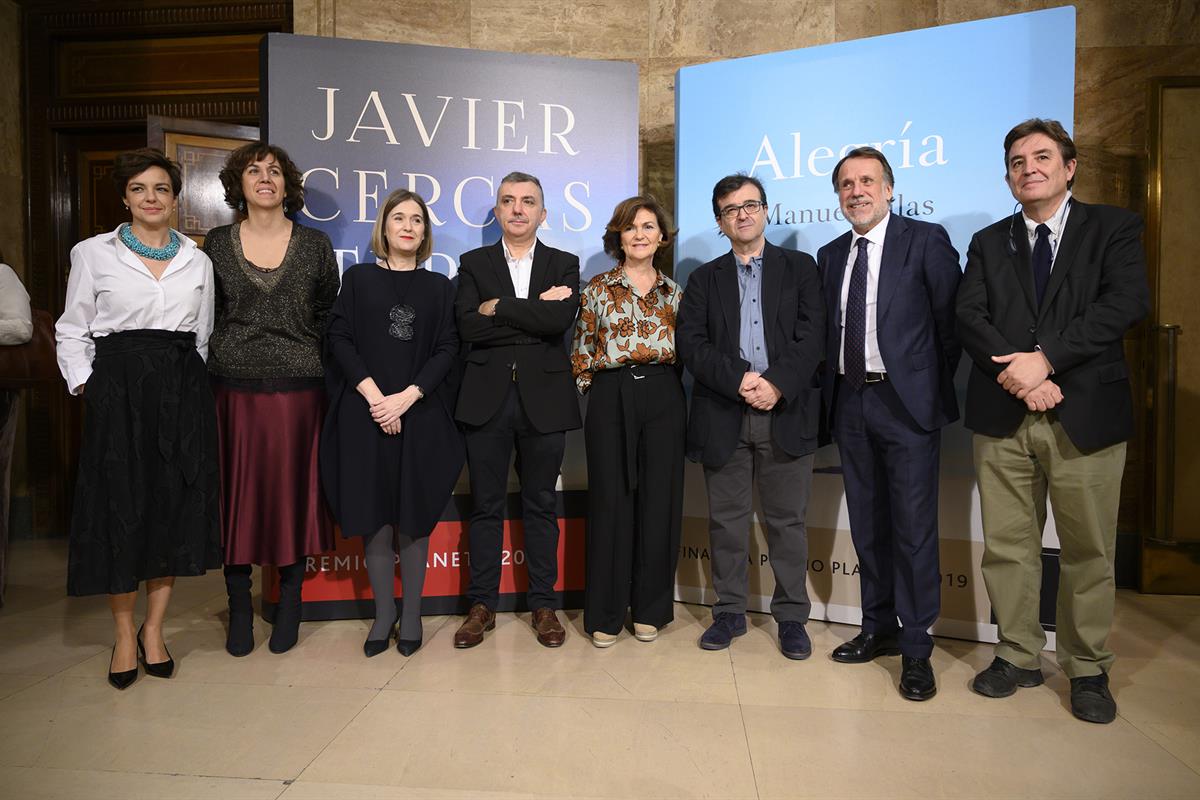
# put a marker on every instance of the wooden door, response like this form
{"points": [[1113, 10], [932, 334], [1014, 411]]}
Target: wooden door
{"points": [[1171, 539]]}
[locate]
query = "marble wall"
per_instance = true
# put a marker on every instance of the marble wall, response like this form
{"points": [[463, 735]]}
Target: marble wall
{"points": [[1121, 43]]}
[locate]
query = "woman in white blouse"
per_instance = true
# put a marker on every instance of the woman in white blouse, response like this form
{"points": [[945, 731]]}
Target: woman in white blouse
{"points": [[132, 340]]}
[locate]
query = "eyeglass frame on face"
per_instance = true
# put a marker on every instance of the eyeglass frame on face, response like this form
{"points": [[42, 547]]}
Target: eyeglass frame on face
{"points": [[731, 212]]}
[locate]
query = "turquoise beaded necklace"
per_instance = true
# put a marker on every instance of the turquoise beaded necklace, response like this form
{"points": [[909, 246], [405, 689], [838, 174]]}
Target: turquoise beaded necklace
{"points": [[146, 251]]}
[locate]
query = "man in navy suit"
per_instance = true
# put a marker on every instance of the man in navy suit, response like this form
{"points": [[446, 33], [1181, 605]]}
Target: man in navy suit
{"points": [[891, 351], [750, 330]]}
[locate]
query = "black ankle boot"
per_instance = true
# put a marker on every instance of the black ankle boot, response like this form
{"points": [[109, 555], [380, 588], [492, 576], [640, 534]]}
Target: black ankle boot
{"points": [[287, 613], [240, 640]]}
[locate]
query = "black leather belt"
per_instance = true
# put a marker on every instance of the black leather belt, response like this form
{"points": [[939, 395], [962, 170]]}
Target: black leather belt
{"points": [[627, 374], [875, 377], [639, 371]]}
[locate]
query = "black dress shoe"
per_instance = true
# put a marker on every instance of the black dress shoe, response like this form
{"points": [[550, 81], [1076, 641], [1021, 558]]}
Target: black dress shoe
{"points": [[120, 680], [916, 679], [406, 647], [1091, 701], [161, 669], [1001, 679], [866, 647]]}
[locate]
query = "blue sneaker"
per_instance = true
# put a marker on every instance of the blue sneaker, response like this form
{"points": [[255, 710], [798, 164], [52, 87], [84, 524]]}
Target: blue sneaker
{"points": [[794, 641], [724, 629]]}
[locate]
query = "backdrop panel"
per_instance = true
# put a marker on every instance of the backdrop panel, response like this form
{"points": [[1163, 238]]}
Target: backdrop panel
{"points": [[362, 118], [938, 103]]}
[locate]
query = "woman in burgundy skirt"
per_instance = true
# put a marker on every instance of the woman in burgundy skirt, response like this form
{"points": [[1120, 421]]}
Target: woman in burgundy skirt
{"points": [[276, 281]]}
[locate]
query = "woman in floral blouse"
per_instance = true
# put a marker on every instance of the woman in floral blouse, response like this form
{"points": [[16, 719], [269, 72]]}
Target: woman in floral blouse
{"points": [[624, 358]]}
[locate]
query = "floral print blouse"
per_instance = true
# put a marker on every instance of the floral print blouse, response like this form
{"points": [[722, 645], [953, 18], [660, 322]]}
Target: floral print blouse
{"points": [[617, 327]]}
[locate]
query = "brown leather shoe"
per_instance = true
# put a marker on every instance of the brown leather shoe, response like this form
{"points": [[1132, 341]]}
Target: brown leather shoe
{"points": [[550, 632], [479, 619]]}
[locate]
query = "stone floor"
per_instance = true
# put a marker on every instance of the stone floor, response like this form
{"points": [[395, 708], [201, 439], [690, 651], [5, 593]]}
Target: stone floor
{"points": [[511, 719]]}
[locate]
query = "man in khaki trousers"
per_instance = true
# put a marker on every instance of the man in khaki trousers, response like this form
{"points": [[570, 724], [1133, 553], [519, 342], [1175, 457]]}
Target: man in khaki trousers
{"points": [[1044, 304]]}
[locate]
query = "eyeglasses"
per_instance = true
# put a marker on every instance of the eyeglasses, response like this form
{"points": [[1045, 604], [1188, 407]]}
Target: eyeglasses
{"points": [[751, 207]]}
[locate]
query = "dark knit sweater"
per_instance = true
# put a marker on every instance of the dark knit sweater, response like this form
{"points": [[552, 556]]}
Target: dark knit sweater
{"points": [[269, 324]]}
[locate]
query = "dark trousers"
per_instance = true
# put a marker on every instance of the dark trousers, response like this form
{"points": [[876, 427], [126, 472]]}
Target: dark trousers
{"points": [[636, 420], [784, 483], [890, 469], [539, 458], [9, 402]]}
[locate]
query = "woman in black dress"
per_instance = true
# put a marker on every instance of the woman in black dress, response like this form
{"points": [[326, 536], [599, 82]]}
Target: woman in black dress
{"points": [[275, 283], [132, 340], [390, 451]]}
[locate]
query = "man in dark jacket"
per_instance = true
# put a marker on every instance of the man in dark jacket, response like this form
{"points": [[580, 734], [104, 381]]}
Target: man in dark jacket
{"points": [[751, 332], [1044, 304], [516, 300]]}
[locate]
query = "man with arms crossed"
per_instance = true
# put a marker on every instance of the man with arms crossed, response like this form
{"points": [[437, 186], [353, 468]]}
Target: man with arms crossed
{"points": [[516, 300], [1045, 302], [751, 331], [890, 285]]}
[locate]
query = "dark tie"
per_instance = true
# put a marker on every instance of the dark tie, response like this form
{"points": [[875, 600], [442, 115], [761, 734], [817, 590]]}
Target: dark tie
{"points": [[1041, 262], [855, 341]]}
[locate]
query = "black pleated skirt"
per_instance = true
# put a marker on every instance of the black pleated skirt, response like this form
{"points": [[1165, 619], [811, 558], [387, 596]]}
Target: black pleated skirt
{"points": [[146, 503]]}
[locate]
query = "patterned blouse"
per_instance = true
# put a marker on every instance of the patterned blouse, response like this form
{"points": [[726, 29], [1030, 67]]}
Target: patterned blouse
{"points": [[617, 327]]}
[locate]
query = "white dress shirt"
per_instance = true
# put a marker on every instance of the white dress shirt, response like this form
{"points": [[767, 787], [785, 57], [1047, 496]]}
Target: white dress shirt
{"points": [[874, 237], [110, 290], [16, 317], [520, 269], [1056, 224]]}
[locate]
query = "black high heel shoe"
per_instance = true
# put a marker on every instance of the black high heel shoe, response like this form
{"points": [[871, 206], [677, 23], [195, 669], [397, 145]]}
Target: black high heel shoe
{"points": [[406, 647], [373, 647], [120, 680], [162, 669]]}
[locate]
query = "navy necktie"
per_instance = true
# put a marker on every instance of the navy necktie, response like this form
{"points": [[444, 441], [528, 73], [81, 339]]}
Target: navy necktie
{"points": [[1041, 261], [854, 345]]}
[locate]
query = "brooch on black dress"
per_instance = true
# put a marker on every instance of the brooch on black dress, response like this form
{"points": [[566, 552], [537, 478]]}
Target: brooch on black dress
{"points": [[402, 317]]}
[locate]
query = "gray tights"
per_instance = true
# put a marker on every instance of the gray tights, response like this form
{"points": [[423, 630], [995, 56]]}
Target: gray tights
{"points": [[381, 550]]}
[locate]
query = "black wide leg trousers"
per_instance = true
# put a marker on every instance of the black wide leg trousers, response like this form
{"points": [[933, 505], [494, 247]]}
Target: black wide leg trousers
{"points": [[636, 421]]}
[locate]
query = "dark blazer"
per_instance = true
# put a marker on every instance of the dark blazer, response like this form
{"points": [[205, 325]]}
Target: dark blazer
{"points": [[918, 282], [1097, 291], [529, 334], [706, 336]]}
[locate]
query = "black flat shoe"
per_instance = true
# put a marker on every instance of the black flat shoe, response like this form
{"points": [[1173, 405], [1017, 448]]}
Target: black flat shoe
{"points": [[406, 647], [120, 680], [1091, 700], [162, 669], [1001, 679]]}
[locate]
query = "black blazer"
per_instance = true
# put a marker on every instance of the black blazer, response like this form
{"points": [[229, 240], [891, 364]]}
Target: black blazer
{"points": [[1097, 291], [706, 336], [529, 334], [914, 311]]}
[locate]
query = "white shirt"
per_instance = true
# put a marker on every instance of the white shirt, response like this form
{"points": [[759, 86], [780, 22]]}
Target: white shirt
{"points": [[16, 317], [520, 269], [110, 290], [1056, 224], [874, 237]]}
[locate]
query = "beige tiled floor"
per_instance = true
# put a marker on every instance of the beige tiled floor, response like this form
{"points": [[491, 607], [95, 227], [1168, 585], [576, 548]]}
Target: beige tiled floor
{"points": [[511, 719]]}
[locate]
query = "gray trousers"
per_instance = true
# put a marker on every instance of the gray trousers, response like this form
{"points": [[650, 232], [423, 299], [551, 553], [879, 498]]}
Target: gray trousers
{"points": [[783, 484]]}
